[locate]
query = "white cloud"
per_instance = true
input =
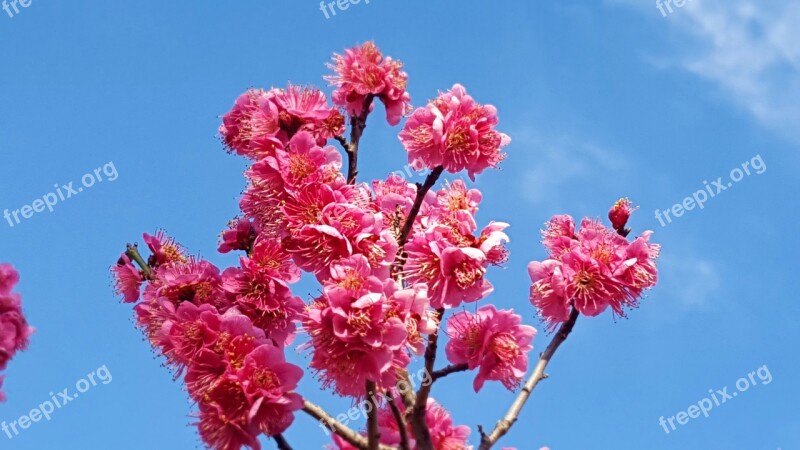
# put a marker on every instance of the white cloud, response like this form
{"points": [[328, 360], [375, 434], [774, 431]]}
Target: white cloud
{"points": [[690, 281], [749, 49], [561, 163]]}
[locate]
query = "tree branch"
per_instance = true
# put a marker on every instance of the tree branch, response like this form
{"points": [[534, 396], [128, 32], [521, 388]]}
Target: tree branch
{"points": [[283, 444], [538, 374], [453, 368], [357, 126], [422, 191], [419, 424], [373, 434], [353, 438], [400, 418], [407, 394]]}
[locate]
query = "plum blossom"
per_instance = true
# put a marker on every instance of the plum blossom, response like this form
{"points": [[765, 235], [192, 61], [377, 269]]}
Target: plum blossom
{"points": [[363, 71], [263, 122], [455, 132], [14, 329], [591, 269], [127, 279], [494, 341]]}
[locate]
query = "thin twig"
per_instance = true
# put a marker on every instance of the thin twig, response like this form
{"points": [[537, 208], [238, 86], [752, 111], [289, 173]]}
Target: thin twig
{"points": [[453, 368], [422, 191], [538, 374], [133, 253], [400, 418], [283, 444], [357, 126], [348, 434]]}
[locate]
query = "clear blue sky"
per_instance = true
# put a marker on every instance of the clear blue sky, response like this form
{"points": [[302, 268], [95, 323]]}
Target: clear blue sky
{"points": [[603, 99]]}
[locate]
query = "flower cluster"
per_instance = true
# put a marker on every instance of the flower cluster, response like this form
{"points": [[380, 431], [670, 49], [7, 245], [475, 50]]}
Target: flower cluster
{"points": [[456, 132], [224, 332], [364, 72], [14, 329], [262, 122], [391, 258], [444, 251], [494, 341], [591, 268], [444, 434], [363, 328]]}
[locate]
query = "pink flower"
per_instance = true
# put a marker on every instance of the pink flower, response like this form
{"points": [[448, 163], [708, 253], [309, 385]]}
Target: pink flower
{"points": [[494, 341], [364, 71], [224, 423], [191, 330], [260, 291], [9, 278], [316, 247], [263, 198], [195, 281], [127, 279], [239, 236], [14, 329], [492, 242], [547, 291], [393, 195], [305, 206], [307, 109], [355, 339], [165, 250], [453, 274], [269, 382], [559, 235], [305, 162], [455, 207], [620, 213], [252, 127], [455, 132], [591, 269]]}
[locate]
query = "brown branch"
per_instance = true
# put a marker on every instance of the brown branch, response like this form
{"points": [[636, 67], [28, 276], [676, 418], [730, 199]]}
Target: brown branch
{"points": [[283, 444], [400, 418], [419, 423], [357, 126], [348, 434], [407, 394], [422, 191], [132, 251], [453, 368], [502, 427], [373, 434]]}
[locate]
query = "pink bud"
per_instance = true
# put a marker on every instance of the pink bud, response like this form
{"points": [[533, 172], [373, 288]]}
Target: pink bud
{"points": [[620, 213]]}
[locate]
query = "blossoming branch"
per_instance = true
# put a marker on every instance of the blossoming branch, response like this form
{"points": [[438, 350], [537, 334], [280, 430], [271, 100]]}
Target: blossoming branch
{"points": [[396, 262]]}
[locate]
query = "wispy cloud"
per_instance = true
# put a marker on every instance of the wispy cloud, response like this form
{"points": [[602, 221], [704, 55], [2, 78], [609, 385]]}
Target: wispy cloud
{"points": [[563, 162], [749, 49], [688, 280]]}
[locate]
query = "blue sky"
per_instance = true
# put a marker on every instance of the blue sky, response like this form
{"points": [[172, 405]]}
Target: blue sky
{"points": [[603, 99]]}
